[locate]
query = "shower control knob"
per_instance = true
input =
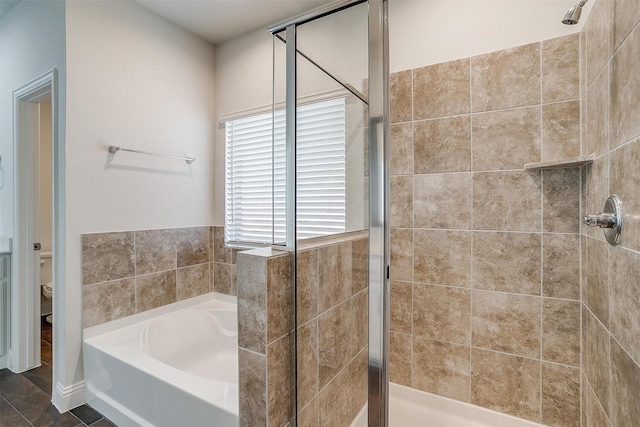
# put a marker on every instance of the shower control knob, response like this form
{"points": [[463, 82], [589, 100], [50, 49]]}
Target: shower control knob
{"points": [[610, 220], [602, 220]]}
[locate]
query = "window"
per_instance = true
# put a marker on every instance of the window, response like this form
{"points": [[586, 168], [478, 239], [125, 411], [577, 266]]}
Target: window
{"points": [[255, 174]]}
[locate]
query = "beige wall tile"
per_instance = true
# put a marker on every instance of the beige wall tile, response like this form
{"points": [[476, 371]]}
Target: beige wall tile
{"points": [[595, 357], [506, 201], [506, 322], [506, 139], [308, 416], [155, 250], [561, 265], [625, 299], [442, 313], [441, 368], [507, 262], [252, 302], [401, 201], [625, 383], [598, 29], [561, 331], [561, 200], [561, 68], [441, 201], [400, 96], [220, 252], [225, 278], [561, 130], [401, 307], [335, 274], [193, 245], [625, 91], [506, 383], [626, 14], [597, 115], [107, 256], [307, 362], [359, 320], [280, 381], [441, 90], [280, 296], [400, 349], [624, 180], [401, 254], [192, 281], [505, 79], [442, 257], [401, 147], [560, 395], [334, 346], [442, 145], [339, 399], [252, 388], [307, 285], [155, 290], [108, 301], [595, 288], [596, 417], [583, 62], [360, 265], [595, 188]]}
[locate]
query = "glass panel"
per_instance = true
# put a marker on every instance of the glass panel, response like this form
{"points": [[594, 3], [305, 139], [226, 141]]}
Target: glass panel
{"points": [[331, 220]]}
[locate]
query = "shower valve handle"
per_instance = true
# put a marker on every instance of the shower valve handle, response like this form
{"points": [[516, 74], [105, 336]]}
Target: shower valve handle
{"points": [[602, 220]]}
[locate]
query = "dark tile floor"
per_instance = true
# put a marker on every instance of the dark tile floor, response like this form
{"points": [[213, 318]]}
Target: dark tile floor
{"points": [[25, 399]]}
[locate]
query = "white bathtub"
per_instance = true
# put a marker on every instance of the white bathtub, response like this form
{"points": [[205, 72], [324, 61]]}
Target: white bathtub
{"points": [[409, 407], [176, 365]]}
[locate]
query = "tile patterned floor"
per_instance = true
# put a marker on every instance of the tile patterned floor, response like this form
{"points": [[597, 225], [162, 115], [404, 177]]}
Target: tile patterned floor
{"points": [[25, 399]]}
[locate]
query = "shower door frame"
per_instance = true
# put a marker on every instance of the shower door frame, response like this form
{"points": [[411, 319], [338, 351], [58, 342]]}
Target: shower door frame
{"points": [[379, 163]]}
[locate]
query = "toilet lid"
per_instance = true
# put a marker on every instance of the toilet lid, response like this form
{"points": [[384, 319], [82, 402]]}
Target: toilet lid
{"points": [[49, 286]]}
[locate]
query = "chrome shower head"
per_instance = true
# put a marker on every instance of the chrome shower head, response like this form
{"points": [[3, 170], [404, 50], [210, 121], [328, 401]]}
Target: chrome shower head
{"points": [[573, 15]]}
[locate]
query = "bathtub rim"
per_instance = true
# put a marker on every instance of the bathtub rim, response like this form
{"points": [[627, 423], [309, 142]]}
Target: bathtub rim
{"points": [[114, 325], [96, 344]]}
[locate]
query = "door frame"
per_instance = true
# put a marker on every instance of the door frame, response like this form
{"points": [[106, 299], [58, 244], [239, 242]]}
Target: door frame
{"points": [[25, 298]]}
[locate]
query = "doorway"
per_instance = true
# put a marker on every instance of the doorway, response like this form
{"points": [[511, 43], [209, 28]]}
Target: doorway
{"points": [[35, 237]]}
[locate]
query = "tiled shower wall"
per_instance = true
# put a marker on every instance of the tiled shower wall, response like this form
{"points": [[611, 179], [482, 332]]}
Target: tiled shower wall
{"points": [[332, 334], [611, 275], [485, 256], [125, 273]]}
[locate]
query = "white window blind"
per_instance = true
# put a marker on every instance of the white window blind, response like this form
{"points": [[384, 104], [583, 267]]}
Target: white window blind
{"points": [[255, 174]]}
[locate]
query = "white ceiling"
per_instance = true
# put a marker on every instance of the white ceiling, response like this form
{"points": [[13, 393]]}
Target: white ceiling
{"points": [[220, 20]]}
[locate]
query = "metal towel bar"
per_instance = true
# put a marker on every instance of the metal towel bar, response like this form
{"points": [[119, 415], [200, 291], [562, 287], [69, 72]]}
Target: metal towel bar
{"points": [[113, 149]]}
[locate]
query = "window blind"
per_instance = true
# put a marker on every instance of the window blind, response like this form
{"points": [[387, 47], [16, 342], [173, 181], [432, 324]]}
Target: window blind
{"points": [[255, 174]]}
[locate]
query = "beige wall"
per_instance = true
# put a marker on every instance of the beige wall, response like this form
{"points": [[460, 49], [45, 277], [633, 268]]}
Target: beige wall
{"points": [[46, 188], [485, 256], [611, 275], [140, 82]]}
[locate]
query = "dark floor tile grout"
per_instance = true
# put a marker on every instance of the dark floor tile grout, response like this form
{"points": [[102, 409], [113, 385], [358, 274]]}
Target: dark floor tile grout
{"points": [[40, 378]]}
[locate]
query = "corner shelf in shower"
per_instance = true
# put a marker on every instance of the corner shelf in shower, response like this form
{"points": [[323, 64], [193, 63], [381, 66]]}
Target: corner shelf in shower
{"points": [[574, 162]]}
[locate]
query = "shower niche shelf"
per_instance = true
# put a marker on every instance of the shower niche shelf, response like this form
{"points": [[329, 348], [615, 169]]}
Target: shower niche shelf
{"points": [[574, 162]]}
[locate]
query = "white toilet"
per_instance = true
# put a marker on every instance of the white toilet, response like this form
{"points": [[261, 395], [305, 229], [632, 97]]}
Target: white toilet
{"points": [[47, 288]]}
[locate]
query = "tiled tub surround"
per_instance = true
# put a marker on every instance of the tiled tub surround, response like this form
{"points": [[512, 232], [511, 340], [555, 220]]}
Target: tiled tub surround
{"points": [[129, 272], [485, 256], [332, 334], [611, 275]]}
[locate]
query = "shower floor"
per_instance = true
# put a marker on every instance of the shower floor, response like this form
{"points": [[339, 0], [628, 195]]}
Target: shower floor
{"points": [[414, 408]]}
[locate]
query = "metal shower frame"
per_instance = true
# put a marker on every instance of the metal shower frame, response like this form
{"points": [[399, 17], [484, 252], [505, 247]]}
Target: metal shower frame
{"points": [[378, 102]]}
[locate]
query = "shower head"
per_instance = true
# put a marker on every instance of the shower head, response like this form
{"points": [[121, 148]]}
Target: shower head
{"points": [[573, 15]]}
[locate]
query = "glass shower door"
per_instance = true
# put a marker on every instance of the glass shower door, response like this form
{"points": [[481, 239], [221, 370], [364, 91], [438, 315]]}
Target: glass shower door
{"points": [[321, 81]]}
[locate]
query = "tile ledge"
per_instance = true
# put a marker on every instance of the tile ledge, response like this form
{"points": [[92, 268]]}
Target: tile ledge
{"points": [[574, 162]]}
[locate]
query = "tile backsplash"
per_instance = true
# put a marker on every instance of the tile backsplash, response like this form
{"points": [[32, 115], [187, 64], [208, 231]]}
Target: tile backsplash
{"points": [[125, 273]]}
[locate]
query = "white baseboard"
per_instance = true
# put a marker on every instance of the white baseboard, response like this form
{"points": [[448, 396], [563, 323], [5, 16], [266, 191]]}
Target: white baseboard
{"points": [[67, 398]]}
